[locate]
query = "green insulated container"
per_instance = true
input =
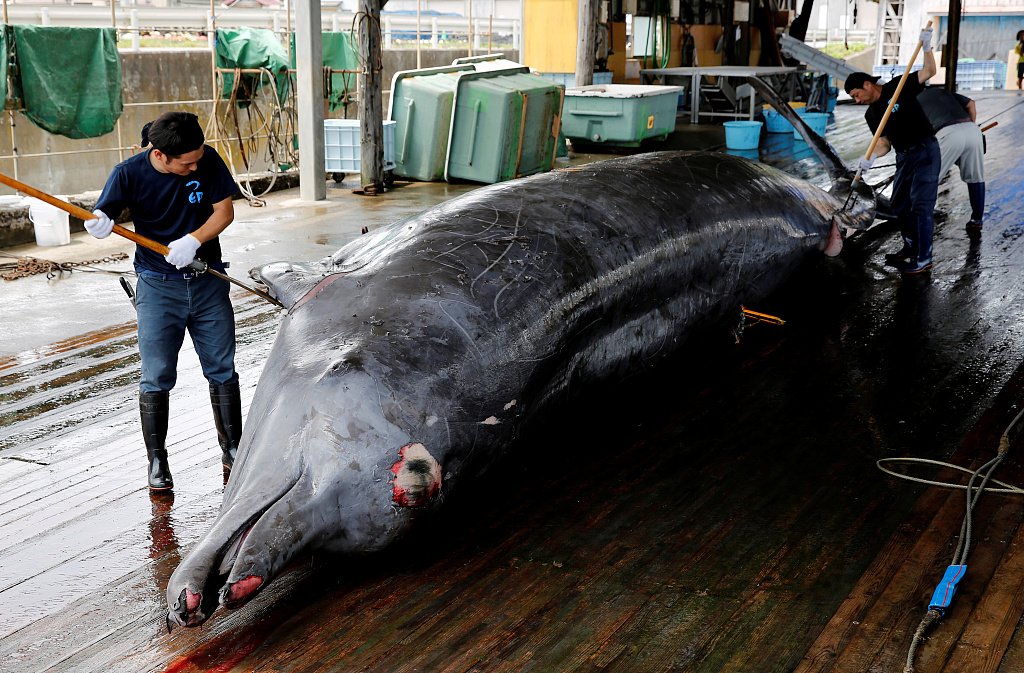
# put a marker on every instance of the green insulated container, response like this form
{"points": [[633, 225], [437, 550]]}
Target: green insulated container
{"points": [[421, 107], [505, 125], [619, 114]]}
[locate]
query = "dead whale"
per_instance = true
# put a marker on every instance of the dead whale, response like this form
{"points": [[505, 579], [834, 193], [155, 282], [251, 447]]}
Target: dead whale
{"points": [[413, 357]]}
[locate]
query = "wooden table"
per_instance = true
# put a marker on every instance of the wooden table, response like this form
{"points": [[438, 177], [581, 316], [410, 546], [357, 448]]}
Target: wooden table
{"points": [[690, 76]]}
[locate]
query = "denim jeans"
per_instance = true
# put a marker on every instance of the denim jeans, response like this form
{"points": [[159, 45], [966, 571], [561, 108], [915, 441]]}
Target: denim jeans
{"points": [[913, 195], [168, 305]]}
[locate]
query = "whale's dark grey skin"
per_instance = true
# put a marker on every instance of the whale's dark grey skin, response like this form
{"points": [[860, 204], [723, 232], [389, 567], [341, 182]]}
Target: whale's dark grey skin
{"points": [[412, 358]]}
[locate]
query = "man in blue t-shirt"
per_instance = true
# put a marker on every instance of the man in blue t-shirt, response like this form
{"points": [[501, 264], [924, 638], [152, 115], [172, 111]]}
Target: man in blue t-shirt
{"points": [[179, 193], [916, 186]]}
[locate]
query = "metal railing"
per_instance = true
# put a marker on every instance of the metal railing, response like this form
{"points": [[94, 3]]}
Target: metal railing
{"points": [[434, 30]]}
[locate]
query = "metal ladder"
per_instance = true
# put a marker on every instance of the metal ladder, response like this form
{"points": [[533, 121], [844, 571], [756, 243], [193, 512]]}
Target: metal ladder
{"points": [[890, 27]]}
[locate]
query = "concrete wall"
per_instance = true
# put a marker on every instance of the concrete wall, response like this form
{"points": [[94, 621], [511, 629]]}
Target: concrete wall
{"points": [[154, 76]]}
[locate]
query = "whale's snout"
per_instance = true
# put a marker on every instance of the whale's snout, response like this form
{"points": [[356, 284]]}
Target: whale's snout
{"points": [[231, 563]]}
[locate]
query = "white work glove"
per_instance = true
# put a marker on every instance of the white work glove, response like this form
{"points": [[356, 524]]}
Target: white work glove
{"points": [[101, 226], [926, 39], [182, 251], [867, 162]]}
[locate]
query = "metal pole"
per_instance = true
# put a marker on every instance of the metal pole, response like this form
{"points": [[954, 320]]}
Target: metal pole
{"points": [[951, 53], [490, 32], [136, 38], [419, 61], [469, 27], [5, 12]]}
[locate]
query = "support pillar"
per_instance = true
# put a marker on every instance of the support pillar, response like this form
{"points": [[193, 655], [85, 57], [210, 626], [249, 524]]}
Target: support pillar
{"points": [[587, 29], [310, 92], [371, 112]]}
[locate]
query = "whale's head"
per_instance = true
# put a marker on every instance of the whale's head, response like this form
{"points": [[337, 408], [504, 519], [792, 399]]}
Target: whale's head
{"points": [[330, 459]]}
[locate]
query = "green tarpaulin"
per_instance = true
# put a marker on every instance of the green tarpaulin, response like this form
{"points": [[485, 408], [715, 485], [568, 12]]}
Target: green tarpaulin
{"points": [[69, 79], [251, 48], [339, 54]]}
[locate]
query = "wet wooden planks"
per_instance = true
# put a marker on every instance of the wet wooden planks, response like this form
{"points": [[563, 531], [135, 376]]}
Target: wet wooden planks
{"points": [[873, 628]]}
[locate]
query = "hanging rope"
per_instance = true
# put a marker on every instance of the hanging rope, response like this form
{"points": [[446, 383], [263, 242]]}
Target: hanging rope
{"points": [[365, 61], [266, 116]]}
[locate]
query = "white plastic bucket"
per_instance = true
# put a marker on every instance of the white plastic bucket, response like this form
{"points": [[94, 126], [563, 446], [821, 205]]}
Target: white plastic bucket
{"points": [[51, 223]]}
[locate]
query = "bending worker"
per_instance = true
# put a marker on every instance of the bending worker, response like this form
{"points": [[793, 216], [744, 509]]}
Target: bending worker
{"points": [[917, 156], [953, 117], [179, 194]]}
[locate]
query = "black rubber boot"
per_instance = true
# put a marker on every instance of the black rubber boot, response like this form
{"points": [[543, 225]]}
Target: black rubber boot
{"points": [[153, 409], [227, 416]]}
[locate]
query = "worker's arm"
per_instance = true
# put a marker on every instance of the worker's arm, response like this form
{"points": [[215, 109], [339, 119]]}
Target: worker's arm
{"points": [[929, 69], [882, 147], [181, 251], [972, 110], [223, 215]]}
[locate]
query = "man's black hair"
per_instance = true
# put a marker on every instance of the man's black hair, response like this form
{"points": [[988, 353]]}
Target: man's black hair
{"points": [[856, 81], [174, 133]]}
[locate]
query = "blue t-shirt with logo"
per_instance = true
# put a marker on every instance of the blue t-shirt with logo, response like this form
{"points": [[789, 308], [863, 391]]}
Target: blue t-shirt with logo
{"points": [[166, 206]]}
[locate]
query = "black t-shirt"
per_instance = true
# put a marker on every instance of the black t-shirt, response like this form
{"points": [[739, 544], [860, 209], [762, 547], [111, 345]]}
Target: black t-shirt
{"points": [[944, 107], [907, 124], [166, 206]]}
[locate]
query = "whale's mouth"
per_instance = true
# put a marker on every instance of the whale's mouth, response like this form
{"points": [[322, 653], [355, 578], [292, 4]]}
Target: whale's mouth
{"points": [[235, 594]]}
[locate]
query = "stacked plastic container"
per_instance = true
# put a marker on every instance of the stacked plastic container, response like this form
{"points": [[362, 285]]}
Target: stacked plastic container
{"points": [[620, 115], [486, 125], [980, 75], [970, 75]]}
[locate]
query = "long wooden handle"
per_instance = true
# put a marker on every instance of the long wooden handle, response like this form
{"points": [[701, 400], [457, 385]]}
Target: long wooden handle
{"points": [[84, 214], [81, 213], [899, 88], [986, 128]]}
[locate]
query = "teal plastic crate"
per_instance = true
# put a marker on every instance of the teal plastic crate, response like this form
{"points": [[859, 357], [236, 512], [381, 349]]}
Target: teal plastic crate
{"points": [[421, 107], [619, 114], [504, 125], [343, 146]]}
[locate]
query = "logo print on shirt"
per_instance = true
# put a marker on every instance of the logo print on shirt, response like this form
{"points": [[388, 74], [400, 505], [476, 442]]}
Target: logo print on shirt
{"points": [[194, 197]]}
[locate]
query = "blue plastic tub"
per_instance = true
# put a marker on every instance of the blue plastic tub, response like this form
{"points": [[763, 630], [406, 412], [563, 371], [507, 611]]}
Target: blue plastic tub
{"points": [[816, 120], [746, 154], [774, 122], [742, 135]]}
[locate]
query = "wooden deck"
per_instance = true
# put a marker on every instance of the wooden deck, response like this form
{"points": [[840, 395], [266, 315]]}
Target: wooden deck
{"points": [[724, 514]]}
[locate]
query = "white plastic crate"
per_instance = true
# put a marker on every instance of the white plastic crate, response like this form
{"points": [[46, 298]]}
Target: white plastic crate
{"points": [[568, 79], [343, 148], [889, 72]]}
